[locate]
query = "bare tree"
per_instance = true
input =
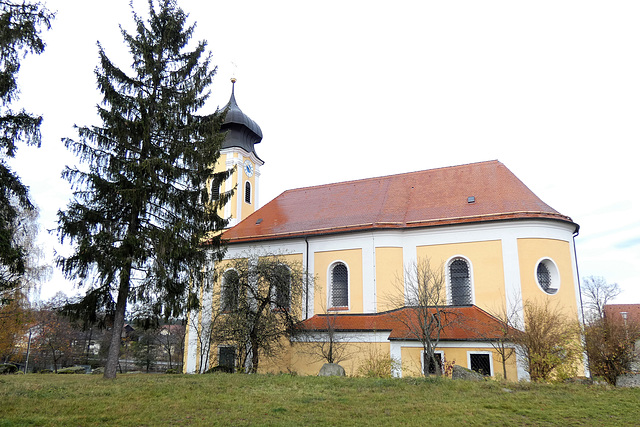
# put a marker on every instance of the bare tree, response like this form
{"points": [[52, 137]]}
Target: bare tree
{"points": [[422, 295], [260, 305], [596, 293]]}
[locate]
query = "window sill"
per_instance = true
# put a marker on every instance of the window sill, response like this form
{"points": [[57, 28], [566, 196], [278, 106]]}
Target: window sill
{"points": [[338, 309]]}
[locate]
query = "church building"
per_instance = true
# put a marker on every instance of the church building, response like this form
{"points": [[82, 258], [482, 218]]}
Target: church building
{"points": [[497, 243]]}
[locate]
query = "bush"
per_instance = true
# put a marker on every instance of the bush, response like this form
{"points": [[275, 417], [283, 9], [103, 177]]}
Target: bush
{"points": [[172, 371], [378, 366], [609, 344], [8, 368]]}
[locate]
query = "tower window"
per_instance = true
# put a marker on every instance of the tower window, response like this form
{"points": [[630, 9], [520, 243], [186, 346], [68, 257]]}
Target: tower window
{"points": [[459, 282], [339, 296], [247, 192], [215, 190]]}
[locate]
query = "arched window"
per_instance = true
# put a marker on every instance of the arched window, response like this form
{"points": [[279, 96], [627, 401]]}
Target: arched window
{"points": [[282, 287], [459, 282], [230, 291], [247, 192], [339, 296]]}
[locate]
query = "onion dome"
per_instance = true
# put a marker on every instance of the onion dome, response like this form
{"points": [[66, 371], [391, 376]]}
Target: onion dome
{"points": [[241, 130]]}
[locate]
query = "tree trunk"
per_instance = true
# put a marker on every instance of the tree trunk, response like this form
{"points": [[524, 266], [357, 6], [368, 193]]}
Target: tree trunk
{"points": [[118, 323], [255, 357]]}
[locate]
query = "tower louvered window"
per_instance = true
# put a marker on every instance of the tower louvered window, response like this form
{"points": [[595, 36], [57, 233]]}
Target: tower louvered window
{"points": [[460, 282], [215, 190], [339, 286], [247, 192]]}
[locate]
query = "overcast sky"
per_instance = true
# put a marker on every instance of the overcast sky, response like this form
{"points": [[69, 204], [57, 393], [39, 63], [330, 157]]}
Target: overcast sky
{"points": [[355, 89]]}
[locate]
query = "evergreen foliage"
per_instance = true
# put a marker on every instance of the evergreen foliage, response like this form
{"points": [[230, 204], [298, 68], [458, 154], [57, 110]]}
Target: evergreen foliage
{"points": [[20, 26], [140, 209]]}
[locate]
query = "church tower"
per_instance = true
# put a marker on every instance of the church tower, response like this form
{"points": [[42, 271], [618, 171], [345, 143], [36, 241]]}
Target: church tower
{"points": [[238, 154]]}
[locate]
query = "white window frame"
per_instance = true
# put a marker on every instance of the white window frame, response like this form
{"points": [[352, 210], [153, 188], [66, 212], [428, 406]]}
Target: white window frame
{"points": [[442, 359], [330, 305], [489, 353], [448, 278], [554, 272]]}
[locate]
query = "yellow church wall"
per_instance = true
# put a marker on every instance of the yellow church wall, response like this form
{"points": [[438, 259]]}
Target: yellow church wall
{"points": [[247, 208], [487, 269], [352, 258], [412, 363], [304, 360], [530, 251], [389, 270]]}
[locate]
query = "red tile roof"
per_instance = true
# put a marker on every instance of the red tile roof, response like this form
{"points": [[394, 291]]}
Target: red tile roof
{"points": [[632, 310], [417, 199], [463, 323]]}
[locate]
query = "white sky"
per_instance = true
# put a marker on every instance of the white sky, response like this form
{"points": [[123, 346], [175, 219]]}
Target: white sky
{"points": [[355, 89]]}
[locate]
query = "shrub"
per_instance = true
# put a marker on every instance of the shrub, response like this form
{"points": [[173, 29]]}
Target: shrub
{"points": [[8, 369], [73, 370], [609, 344], [378, 366]]}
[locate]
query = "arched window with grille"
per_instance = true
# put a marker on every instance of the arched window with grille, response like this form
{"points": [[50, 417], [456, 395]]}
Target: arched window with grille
{"points": [[247, 192], [459, 282], [282, 287], [339, 290], [230, 291]]}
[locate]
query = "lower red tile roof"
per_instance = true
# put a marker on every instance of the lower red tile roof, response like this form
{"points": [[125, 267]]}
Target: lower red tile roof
{"points": [[463, 323], [417, 199]]}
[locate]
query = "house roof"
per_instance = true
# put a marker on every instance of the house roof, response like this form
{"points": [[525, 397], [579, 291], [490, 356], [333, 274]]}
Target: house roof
{"points": [[462, 323], [632, 310], [427, 198]]}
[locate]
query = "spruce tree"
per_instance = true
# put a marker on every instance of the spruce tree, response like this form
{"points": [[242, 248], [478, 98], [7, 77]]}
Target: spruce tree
{"points": [[140, 209], [20, 27]]}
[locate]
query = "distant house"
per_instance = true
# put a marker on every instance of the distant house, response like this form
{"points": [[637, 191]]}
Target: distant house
{"points": [[628, 313]]}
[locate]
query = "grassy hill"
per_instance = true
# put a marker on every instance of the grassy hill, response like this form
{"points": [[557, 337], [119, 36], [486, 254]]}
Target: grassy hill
{"points": [[236, 399]]}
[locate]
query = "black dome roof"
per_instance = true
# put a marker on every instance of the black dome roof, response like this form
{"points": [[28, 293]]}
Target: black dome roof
{"points": [[241, 130]]}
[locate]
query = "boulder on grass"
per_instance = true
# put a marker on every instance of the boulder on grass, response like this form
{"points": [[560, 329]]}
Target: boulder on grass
{"points": [[331, 370], [628, 380], [461, 373]]}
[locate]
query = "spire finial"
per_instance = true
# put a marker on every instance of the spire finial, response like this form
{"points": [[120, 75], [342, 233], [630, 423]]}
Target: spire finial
{"points": [[233, 85]]}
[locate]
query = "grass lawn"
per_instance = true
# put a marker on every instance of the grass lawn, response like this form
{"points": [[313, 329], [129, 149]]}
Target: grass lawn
{"points": [[236, 399]]}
